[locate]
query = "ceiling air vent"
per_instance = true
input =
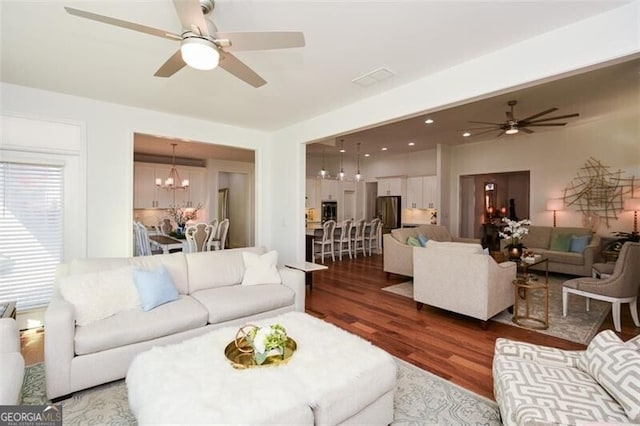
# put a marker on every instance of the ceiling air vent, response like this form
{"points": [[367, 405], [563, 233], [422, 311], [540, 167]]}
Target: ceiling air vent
{"points": [[373, 77]]}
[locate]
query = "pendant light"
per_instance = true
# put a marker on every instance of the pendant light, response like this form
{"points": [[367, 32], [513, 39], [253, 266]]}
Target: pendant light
{"points": [[323, 172], [341, 174], [358, 175], [173, 181]]}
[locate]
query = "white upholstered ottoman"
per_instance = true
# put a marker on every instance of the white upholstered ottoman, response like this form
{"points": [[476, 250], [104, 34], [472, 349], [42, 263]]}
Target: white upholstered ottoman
{"points": [[334, 377]]}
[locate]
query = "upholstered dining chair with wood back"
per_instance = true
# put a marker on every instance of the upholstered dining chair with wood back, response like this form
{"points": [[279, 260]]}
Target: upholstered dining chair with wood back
{"points": [[198, 236], [620, 287], [325, 242]]}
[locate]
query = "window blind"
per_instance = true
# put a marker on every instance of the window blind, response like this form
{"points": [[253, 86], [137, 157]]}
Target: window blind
{"points": [[31, 232]]}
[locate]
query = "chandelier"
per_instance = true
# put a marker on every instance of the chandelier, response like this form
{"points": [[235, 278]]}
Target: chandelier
{"points": [[173, 181]]}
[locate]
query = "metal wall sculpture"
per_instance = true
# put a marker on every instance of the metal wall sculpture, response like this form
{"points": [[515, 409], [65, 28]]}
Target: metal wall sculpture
{"points": [[598, 192]]}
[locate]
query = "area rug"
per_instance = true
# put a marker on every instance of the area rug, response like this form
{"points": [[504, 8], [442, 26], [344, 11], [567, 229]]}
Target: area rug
{"points": [[420, 398], [578, 326]]}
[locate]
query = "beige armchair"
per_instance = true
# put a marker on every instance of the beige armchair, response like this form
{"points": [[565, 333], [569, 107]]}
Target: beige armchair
{"points": [[460, 278], [620, 287]]}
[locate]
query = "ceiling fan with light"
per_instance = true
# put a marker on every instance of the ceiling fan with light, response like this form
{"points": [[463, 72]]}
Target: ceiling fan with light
{"points": [[202, 46], [513, 125]]}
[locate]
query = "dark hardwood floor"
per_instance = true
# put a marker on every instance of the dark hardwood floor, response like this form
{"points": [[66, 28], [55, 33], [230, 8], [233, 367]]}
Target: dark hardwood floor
{"points": [[452, 346]]}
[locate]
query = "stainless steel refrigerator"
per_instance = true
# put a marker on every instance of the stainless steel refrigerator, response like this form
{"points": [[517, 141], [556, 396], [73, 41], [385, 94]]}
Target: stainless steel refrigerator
{"points": [[389, 210]]}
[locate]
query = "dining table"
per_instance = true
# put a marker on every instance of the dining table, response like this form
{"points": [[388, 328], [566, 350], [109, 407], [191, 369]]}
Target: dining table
{"points": [[167, 243]]}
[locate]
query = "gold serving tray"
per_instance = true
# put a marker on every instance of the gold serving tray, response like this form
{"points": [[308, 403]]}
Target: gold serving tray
{"points": [[241, 360]]}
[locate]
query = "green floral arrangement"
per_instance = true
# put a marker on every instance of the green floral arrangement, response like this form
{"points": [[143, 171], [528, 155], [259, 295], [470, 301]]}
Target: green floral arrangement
{"points": [[267, 341]]}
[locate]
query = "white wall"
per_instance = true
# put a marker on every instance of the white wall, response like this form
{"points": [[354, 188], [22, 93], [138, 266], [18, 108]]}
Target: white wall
{"points": [[109, 147], [599, 39]]}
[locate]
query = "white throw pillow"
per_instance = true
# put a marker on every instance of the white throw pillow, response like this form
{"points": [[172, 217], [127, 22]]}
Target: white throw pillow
{"points": [[472, 248], [99, 295], [260, 269]]}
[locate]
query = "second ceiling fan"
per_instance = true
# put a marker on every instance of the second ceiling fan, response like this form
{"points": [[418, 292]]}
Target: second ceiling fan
{"points": [[202, 46], [514, 125]]}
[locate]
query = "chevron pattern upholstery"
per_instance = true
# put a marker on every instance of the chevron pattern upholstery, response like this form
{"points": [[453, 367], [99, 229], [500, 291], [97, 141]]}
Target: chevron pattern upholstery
{"points": [[542, 385]]}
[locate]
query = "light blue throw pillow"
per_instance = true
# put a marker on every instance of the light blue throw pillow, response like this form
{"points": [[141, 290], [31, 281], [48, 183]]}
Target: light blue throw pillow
{"points": [[155, 287], [423, 240], [579, 243]]}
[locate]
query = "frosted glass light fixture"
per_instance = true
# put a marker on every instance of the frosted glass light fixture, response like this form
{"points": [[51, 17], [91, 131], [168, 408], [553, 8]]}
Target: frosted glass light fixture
{"points": [[199, 53]]}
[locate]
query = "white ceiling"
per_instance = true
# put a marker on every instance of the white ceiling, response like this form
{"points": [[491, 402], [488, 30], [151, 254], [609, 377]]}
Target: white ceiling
{"points": [[590, 94], [44, 47]]}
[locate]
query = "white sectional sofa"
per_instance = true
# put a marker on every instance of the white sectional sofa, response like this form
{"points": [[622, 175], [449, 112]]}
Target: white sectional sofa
{"points": [[210, 294], [540, 385], [11, 363]]}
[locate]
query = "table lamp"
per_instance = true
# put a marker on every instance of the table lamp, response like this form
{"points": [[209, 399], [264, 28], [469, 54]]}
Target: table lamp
{"points": [[555, 204], [633, 204]]}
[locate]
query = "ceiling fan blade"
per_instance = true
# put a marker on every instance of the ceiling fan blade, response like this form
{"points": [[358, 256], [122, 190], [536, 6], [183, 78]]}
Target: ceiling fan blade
{"points": [[123, 24], [486, 131], [500, 134], [546, 124], [480, 128], [560, 117], [233, 65], [262, 40], [524, 129], [172, 66], [190, 14], [539, 114], [486, 122]]}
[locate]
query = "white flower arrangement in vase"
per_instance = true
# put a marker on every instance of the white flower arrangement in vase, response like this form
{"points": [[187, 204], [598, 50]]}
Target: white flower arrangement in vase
{"points": [[514, 230]]}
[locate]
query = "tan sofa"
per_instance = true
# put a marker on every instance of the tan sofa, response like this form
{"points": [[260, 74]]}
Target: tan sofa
{"points": [[398, 256], [539, 240]]}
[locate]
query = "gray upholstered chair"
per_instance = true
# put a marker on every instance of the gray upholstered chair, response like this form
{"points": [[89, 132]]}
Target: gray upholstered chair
{"points": [[621, 287]]}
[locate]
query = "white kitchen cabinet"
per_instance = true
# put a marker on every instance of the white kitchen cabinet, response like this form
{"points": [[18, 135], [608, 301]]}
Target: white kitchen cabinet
{"points": [[391, 186], [145, 193], [329, 190], [414, 193], [430, 192], [148, 196], [422, 192]]}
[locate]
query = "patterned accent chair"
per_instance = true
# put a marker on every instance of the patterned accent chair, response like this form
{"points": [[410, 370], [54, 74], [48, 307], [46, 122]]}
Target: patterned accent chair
{"points": [[535, 384]]}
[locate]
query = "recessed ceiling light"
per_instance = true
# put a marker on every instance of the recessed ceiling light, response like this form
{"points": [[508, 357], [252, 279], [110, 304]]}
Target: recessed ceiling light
{"points": [[367, 155], [411, 143], [343, 150], [466, 134], [428, 121], [384, 149]]}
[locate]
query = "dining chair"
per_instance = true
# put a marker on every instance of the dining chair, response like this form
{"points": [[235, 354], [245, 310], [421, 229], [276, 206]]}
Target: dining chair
{"points": [[164, 226], [371, 237], [198, 236], [219, 242], [344, 239], [620, 287], [325, 243], [143, 245], [357, 243]]}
